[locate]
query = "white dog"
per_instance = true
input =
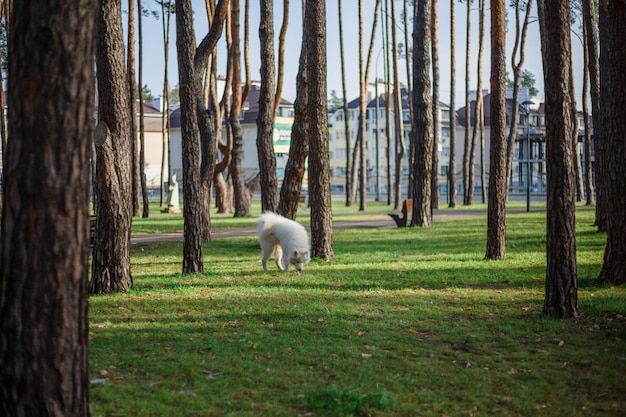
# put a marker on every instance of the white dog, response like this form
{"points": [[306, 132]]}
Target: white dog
{"points": [[284, 240]]}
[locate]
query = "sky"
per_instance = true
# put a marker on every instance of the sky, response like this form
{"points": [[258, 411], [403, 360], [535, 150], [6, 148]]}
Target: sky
{"points": [[153, 47]]}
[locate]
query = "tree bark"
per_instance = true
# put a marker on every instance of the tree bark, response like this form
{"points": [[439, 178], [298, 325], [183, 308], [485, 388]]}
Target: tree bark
{"points": [[422, 112], [317, 112], [192, 188], [165, 160], [240, 192], [265, 119], [206, 120], [496, 213], [299, 149], [346, 121], [145, 212], [614, 266], [516, 66], [111, 251], [598, 90], [133, 86], [453, 118], [44, 258], [561, 289], [397, 113], [434, 192], [589, 188], [281, 57], [479, 115], [468, 164]]}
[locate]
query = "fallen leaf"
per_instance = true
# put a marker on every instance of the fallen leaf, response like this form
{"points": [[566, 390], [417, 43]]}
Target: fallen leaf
{"points": [[366, 355]]}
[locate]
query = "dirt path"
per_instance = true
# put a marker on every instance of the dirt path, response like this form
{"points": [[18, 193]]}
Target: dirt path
{"points": [[381, 223]]}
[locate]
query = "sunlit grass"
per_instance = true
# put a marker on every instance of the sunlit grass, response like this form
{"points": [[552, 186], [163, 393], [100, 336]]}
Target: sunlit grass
{"points": [[401, 322]]}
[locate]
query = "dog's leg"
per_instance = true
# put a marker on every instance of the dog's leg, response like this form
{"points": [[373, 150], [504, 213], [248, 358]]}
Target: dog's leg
{"points": [[278, 256], [266, 254], [286, 261]]}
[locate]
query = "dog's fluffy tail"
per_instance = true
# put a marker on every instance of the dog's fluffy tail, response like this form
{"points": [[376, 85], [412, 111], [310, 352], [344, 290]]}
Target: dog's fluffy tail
{"points": [[266, 221]]}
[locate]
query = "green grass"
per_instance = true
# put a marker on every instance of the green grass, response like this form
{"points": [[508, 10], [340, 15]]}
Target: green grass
{"points": [[401, 322]]}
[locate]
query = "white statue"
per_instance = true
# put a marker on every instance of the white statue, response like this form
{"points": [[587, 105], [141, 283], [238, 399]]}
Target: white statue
{"points": [[172, 198]]}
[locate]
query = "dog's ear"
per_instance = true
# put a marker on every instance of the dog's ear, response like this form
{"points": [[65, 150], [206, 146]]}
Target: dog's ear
{"points": [[295, 253]]}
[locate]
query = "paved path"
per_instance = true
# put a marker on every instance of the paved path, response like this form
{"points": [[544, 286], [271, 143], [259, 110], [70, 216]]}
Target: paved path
{"points": [[379, 223]]}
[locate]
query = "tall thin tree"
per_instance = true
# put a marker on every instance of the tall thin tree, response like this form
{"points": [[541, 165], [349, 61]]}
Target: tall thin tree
{"points": [[360, 142], [111, 251], [561, 289], [422, 134], [453, 118], [241, 196], [133, 89], [291, 188], [265, 119], [434, 47], [478, 113], [496, 213], [468, 164], [319, 160], [517, 62], [614, 266], [192, 189], [346, 118], [589, 187], [207, 124], [44, 258], [166, 13], [280, 65], [590, 18], [142, 129], [397, 112], [363, 77]]}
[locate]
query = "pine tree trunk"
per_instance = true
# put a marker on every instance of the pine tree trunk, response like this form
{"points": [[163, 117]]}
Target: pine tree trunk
{"points": [[496, 214], [265, 119], [241, 196], [132, 88], [294, 170], [319, 160], [468, 164], [434, 192], [397, 114], [192, 189], [614, 266], [111, 251], [206, 119], [422, 112], [142, 141], [346, 121], [453, 118], [561, 289], [601, 122], [44, 255], [589, 195]]}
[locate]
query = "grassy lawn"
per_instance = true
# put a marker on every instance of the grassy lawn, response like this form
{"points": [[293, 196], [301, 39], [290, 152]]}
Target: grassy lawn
{"points": [[401, 322]]}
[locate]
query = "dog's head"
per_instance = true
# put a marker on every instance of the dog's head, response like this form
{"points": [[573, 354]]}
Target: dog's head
{"points": [[299, 258]]}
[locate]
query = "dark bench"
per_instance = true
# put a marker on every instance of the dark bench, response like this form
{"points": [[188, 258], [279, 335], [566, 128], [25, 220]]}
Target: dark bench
{"points": [[403, 218], [92, 230], [303, 199]]}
